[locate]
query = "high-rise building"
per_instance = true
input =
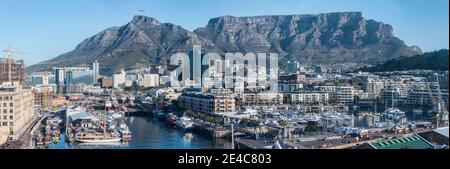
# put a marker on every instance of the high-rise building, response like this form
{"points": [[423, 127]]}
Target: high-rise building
{"points": [[69, 75], [119, 79], [85, 77], [60, 73], [150, 80], [16, 106], [96, 71]]}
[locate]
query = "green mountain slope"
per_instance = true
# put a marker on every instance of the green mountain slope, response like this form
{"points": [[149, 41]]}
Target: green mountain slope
{"points": [[437, 60]]}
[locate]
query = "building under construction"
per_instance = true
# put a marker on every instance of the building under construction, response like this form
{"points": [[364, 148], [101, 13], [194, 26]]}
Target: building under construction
{"points": [[11, 70]]}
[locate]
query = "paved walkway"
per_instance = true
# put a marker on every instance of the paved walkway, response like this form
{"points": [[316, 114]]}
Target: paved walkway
{"points": [[25, 136]]}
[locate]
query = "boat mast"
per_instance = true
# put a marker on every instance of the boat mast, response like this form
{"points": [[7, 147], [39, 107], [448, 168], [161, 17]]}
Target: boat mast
{"points": [[232, 135], [104, 124], [392, 99], [376, 105]]}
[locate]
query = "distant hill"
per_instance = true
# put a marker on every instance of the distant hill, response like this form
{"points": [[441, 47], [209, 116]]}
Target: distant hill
{"points": [[437, 60]]}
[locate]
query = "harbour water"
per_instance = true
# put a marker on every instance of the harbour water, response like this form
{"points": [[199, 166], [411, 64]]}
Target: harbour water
{"points": [[150, 133]]}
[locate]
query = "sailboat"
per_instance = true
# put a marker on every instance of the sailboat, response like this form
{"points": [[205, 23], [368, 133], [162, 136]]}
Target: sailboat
{"points": [[96, 137], [394, 114]]}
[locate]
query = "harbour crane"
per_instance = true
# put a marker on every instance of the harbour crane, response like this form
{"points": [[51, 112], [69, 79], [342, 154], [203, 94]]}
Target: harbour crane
{"points": [[439, 105], [442, 117], [9, 55]]}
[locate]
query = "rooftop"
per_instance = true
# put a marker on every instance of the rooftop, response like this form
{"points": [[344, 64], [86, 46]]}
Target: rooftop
{"points": [[443, 131], [411, 142]]}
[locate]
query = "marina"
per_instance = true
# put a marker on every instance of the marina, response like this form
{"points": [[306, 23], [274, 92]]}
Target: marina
{"points": [[151, 133]]}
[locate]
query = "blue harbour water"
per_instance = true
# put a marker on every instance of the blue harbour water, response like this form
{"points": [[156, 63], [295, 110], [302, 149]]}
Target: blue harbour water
{"points": [[149, 133]]}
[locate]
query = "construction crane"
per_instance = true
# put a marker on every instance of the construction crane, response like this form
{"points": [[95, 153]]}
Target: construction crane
{"points": [[9, 56], [439, 106], [442, 117]]}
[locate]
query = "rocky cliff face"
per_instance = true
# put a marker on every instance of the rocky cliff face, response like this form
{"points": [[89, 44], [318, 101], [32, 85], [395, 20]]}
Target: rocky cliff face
{"points": [[321, 38], [330, 37]]}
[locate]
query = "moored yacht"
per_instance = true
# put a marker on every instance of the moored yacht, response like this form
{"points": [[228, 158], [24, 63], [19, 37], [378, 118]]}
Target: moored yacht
{"points": [[184, 123]]}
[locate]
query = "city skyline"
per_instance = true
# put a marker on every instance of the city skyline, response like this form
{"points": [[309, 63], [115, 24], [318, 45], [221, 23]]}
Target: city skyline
{"points": [[42, 28]]}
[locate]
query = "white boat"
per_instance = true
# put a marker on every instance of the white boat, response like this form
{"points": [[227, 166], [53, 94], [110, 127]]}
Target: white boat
{"points": [[111, 140], [125, 134], [184, 122], [248, 111], [108, 104]]}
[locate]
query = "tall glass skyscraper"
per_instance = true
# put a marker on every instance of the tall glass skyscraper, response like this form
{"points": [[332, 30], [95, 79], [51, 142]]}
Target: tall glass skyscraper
{"points": [[95, 69]]}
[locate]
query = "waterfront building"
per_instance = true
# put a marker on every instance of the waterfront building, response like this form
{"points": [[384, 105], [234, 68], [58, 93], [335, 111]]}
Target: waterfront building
{"points": [[309, 97], [16, 106], [391, 97], [218, 101], [345, 94], [261, 98], [326, 89], [373, 87], [422, 96]]}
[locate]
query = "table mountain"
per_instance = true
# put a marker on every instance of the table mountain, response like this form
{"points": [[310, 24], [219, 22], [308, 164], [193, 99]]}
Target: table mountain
{"points": [[315, 38]]}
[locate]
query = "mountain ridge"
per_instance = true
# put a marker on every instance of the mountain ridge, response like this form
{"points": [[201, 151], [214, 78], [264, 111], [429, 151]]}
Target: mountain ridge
{"points": [[310, 38]]}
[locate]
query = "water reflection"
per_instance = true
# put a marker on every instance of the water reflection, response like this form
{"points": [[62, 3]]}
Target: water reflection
{"points": [[150, 133]]}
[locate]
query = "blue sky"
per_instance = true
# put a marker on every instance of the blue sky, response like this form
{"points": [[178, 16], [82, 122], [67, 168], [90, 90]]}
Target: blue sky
{"points": [[48, 28]]}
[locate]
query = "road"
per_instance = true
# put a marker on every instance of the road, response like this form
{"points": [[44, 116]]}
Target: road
{"points": [[25, 138]]}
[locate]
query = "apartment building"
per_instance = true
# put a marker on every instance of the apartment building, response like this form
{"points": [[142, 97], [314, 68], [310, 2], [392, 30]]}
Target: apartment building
{"points": [[308, 98], [16, 108], [262, 98], [215, 102]]}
